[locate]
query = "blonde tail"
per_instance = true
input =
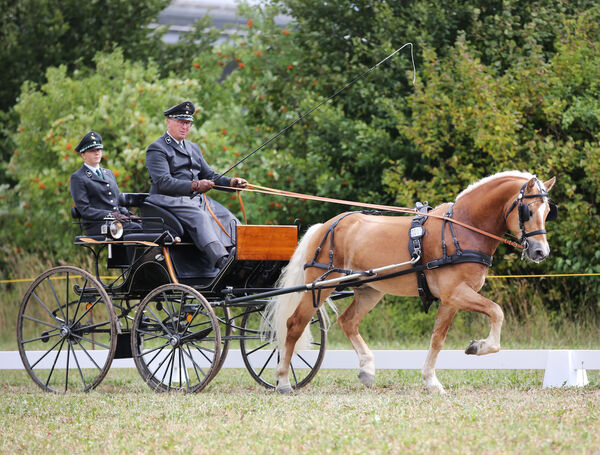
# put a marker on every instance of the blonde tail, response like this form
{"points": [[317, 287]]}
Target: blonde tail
{"points": [[280, 308]]}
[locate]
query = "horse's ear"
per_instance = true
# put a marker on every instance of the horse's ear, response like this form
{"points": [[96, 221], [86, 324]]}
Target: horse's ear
{"points": [[550, 183], [531, 184]]}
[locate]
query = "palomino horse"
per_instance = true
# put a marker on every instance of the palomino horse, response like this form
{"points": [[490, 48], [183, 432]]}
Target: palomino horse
{"points": [[364, 242]]}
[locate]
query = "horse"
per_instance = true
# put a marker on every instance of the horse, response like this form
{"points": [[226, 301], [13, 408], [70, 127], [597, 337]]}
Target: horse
{"points": [[365, 241]]}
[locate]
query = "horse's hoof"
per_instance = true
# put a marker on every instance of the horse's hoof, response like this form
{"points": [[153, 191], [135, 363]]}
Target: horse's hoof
{"points": [[284, 390], [473, 348], [366, 378]]}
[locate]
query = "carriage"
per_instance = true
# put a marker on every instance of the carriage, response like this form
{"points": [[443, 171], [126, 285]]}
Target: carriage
{"points": [[165, 308], [176, 318]]}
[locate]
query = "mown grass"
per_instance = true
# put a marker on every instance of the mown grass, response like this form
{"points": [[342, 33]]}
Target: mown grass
{"points": [[483, 412]]}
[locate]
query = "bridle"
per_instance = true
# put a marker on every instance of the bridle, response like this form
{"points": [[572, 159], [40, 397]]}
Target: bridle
{"points": [[525, 211]]}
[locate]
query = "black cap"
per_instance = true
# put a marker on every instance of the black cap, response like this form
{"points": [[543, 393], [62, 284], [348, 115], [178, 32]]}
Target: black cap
{"points": [[183, 111], [90, 141]]}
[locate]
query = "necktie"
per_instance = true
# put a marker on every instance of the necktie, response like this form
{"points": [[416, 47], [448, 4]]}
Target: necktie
{"points": [[99, 174]]}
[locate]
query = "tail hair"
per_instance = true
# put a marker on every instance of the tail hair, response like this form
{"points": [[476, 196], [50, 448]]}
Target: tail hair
{"points": [[280, 308]]}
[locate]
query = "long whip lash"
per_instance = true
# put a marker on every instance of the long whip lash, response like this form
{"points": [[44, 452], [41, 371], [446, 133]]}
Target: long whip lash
{"points": [[324, 101]]}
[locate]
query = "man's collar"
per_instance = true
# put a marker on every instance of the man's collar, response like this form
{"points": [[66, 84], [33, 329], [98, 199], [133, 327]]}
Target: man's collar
{"points": [[176, 141]]}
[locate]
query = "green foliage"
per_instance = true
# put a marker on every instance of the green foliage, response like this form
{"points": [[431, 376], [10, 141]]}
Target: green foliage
{"points": [[500, 85]]}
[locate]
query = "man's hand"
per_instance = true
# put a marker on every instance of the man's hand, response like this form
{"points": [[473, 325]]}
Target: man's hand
{"points": [[133, 217], [119, 216], [238, 182], [201, 186]]}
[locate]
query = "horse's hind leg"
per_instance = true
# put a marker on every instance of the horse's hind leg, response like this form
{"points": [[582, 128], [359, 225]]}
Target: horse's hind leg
{"points": [[364, 300], [444, 317]]}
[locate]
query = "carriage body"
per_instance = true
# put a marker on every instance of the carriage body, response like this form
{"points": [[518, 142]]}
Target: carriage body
{"points": [[161, 304]]}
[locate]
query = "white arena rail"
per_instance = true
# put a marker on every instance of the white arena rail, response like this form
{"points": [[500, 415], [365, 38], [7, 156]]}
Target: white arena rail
{"points": [[562, 367]]}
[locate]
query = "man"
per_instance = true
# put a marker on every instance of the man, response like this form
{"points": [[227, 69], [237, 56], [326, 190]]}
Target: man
{"points": [[95, 190], [178, 172]]}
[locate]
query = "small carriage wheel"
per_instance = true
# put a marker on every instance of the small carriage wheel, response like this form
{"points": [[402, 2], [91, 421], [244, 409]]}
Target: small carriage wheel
{"points": [[176, 340], [66, 330], [260, 353]]}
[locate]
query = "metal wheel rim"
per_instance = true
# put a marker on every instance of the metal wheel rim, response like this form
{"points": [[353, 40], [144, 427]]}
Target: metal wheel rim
{"points": [[69, 330], [176, 346], [259, 372]]}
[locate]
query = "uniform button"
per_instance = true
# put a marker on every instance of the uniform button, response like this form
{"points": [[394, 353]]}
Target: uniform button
{"points": [[109, 193], [111, 200], [114, 208], [107, 184]]}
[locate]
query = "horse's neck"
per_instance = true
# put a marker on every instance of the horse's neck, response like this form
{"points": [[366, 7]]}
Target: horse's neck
{"points": [[485, 207]]}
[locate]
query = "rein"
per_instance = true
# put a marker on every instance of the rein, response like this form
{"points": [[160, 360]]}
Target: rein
{"points": [[390, 208]]}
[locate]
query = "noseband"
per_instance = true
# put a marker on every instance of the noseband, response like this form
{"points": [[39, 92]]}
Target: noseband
{"points": [[525, 211]]}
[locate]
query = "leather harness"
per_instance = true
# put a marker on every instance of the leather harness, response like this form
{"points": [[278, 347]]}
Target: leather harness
{"points": [[415, 247]]}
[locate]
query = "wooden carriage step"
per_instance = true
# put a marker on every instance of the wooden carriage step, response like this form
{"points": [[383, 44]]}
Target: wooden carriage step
{"points": [[267, 243]]}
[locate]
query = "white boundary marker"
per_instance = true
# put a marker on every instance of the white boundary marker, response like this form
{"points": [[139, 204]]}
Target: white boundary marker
{"points": [[562, 367]]}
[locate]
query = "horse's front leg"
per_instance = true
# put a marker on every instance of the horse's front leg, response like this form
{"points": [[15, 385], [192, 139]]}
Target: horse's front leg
{"points": [[444, 317], [466, 298]]}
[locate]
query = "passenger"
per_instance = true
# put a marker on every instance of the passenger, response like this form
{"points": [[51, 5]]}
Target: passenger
{"points": [[177, 172], [95, 190]]}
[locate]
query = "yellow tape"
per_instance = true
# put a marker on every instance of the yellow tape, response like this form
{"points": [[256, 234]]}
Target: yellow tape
{"points": [[544, 276], [26, 280]]}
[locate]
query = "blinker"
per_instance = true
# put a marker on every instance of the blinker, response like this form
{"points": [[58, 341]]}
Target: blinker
{"points": [[553, 213]]}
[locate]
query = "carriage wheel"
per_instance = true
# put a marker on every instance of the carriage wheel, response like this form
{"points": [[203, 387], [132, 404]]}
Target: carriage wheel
{"points": [[176, 341], [223, 315], [261, 356], [66, 330]]}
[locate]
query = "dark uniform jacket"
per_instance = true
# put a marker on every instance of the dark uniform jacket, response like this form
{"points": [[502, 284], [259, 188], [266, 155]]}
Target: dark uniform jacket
{"points": [[94, 197], [172, 169]]}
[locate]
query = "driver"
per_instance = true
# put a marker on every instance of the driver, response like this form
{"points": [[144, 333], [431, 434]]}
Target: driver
{"points": [[95, 190], [177, 172]]}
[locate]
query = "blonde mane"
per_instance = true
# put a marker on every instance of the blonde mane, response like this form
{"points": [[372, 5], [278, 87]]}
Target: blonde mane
{"points": [[483, 181]]}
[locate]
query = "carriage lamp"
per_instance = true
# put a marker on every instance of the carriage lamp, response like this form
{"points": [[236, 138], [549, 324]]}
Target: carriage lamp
{"points": [[112, 228], [116, 230]]}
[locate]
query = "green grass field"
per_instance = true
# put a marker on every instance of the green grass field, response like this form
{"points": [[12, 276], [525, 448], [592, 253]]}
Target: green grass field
{"points": [[483, 412]]}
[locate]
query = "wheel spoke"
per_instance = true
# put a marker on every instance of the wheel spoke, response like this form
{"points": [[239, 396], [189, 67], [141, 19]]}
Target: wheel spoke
{"points": [[46, 308], [159, 349], [78, 367], [158, 320], [62, 342], [304, 360], [80, 297], [56, 297], [41, 322], [91, 341], [48, 335], [267, 362], [88, 354], [47, 352], [196, 366], [259, 348], [87, 310], [68, 358]]}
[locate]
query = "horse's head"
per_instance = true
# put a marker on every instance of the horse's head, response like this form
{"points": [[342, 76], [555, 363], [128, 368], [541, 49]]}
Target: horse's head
{"points": [[533, 207]]}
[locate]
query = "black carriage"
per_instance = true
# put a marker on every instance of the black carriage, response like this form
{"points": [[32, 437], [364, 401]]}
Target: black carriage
{"points": [[165, 308]]}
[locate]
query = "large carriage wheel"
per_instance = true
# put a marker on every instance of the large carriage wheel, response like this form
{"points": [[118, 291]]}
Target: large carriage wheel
{"points": [[260, 353], [176, 341], [66, 330]]}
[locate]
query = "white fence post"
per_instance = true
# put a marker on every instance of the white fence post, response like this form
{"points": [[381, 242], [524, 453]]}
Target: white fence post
{"points": [[562, 369]]}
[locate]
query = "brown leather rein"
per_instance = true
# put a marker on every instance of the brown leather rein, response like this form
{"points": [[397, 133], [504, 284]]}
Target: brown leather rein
{"points": [[266, 190]]}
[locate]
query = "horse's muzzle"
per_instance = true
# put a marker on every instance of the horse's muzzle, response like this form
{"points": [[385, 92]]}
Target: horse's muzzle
{"points": [[536, 251]]}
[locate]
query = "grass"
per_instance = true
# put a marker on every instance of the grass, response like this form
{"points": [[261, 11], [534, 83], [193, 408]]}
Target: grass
{"points": [[483, 412]]}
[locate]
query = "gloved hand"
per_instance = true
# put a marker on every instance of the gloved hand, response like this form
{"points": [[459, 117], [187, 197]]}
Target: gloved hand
{"points": [[133, 217], [119, 216], [238, 182], [201, 186]]}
